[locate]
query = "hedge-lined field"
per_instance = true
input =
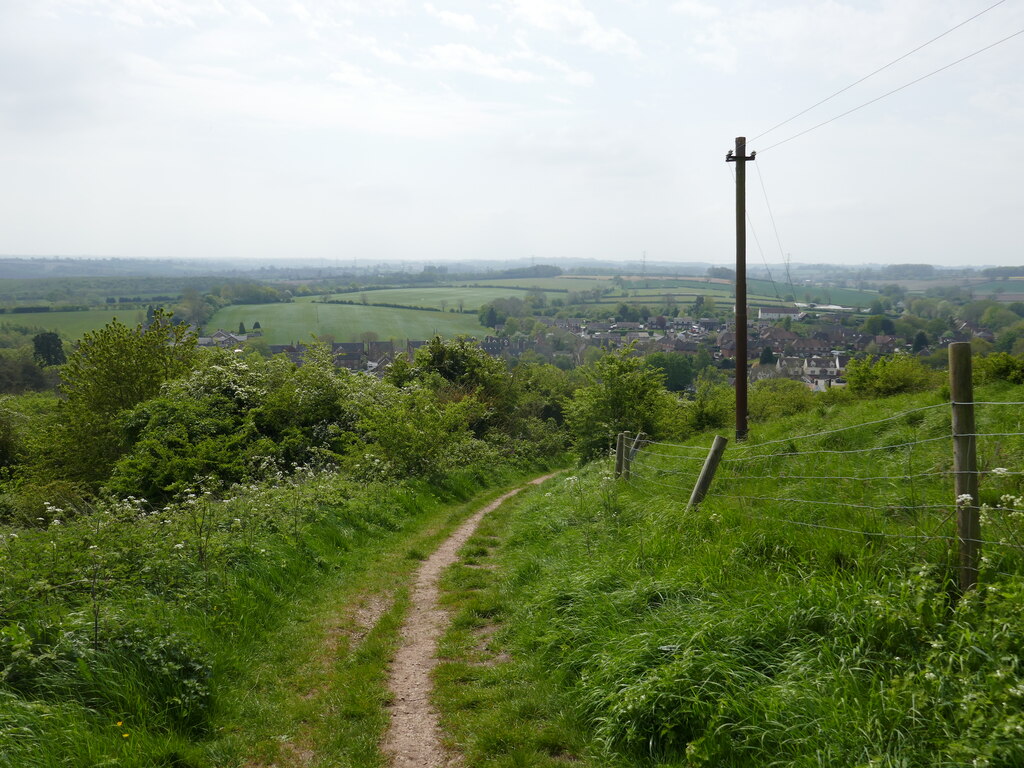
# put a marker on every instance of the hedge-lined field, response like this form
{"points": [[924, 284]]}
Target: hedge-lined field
{"points": [[298, 321]]}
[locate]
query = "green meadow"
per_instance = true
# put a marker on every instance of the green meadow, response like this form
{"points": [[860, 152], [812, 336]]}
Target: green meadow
{"points": [[448, 297], [74, 324], [563, 283], [288, 323]]}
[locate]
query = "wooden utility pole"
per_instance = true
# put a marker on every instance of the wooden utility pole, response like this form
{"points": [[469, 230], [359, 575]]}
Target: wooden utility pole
{"points": [[740, 158], [965, 463]]}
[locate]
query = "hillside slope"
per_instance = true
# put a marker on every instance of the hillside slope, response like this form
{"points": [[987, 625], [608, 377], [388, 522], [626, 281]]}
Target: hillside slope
{"points": [[803, 615]]}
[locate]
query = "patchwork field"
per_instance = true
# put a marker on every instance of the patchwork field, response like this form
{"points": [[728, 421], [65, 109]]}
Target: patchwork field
{"points": [[288, 323], [448, 297], [564, 283]]}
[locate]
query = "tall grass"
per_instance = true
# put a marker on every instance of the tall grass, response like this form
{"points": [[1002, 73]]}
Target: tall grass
{"points": [[126, 631], [738, 635]]}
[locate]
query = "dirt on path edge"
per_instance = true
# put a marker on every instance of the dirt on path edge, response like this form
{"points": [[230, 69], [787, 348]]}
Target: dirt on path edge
{"points": [[413, 739]]}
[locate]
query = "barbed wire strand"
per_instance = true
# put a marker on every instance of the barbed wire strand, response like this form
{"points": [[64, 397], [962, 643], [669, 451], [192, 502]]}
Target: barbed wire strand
{"points": [[826, 451], [884, 507], [979, 402], [825, 432], [845, 477], [931, 536]]}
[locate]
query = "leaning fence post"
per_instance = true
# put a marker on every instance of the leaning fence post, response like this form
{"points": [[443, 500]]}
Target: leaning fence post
{"points": [[636, 444], [965, 463], [707, 472], [620, 453]]}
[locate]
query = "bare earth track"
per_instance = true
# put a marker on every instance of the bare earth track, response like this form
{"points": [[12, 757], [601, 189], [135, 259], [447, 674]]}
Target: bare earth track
{"points": [[414, 739]]}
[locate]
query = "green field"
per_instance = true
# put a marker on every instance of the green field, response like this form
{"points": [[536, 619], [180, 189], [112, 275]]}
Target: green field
{"points": [[288, 323], [992, 288], [74, 324], [472, 297], [546, 283]]}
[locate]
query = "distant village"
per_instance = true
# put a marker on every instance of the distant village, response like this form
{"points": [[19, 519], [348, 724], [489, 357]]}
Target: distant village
{"points": [[817, 356]]}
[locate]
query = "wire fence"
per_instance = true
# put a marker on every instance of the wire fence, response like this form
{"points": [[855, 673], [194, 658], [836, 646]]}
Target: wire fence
{"points": [[886, 483]]}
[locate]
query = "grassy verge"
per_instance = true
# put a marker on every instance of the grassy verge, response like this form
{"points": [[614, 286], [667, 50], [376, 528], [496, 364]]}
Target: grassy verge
{"points": [[754, 631], [499, 710], [184, 636], [320, 684]]}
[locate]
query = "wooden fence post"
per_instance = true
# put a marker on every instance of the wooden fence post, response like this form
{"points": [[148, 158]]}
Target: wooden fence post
{"points": [[707, 472], [620, 453], [965, 463], [630, 452]]}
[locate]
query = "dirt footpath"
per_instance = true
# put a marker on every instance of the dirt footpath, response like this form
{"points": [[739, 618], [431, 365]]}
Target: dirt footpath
{"points": [[413, 739]]}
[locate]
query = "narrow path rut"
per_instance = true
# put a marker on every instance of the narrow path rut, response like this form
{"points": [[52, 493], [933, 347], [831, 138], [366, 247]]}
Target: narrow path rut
{"points": [[414, 739]]}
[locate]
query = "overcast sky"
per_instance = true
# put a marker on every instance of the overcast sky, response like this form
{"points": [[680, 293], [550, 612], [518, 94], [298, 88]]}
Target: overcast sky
{"points": [[399, 129]]}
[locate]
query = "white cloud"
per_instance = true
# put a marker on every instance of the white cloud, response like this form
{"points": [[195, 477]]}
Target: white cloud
{"points": [[695, 9], [465, 58], [357, 77], [460, 21], [147, 13], [571, 17], [571, 75]]}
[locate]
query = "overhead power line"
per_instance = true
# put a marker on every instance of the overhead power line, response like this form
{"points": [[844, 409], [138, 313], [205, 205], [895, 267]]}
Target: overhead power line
{"points": [[778, 240], [757, 241], [880, 69], [894, 90]]}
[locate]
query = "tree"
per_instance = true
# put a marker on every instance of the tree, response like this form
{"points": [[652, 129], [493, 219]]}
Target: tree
{"points": [[767, 356], [113, 370], [241, 328], [721, 273], [920, 341], [488, 316], [677, 368], [194, 308], [49, 349], [256, 326], [624, 393], [877, 325]]}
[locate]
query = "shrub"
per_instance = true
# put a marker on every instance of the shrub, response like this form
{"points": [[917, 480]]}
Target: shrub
{"points": [[774, 398], [712, 407], [889, 376], [999, 366]]}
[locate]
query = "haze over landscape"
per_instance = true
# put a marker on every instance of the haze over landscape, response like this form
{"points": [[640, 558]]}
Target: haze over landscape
{"points": [[558, 128]]}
